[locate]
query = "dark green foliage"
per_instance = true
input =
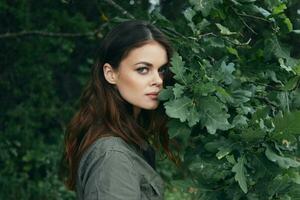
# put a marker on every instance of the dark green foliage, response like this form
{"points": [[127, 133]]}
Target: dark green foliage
{"points": [[41, 79], [237, 73], [234, 109]]}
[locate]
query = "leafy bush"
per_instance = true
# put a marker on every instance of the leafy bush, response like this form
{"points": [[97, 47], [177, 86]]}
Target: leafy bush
{"points": [[235, 107]]}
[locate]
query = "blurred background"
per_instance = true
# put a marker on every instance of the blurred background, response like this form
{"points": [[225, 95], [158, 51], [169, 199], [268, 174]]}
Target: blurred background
{"points": [[47, 49]]}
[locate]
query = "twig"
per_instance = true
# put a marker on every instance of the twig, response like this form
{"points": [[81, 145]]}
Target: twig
{"points": [[207, 34], [266, 100], [243, 21], [252, 16], [265, 85], [225, 39], [120, 8], [51, 34], [44, 33]]}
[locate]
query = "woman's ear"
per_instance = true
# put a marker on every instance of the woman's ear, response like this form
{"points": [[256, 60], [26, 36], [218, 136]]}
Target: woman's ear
{"points": [[109, 73]]}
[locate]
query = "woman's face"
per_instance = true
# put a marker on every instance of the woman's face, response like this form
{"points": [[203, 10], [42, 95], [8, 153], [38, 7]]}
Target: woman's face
{"points": [[140, 75]]}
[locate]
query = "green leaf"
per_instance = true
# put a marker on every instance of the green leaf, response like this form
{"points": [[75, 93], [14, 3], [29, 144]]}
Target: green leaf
{"points": [[296, 98], [291, 84], [240, 120], [233, 51], [285, 141], [240, 171], [284, 66], [204, 88], [278, 185], [230, 159], [203, 24], [279, 9], [166, 93], [261, 10], [189, 13], [208, 170], [214, 42], [288, 124], [178, 90], [177, 128], [283, 162], [205, 6], [183, 184], [213, 114], [215, 145], [224, 73], [295, 177], [296, 69], [178, 108], [183, 109], [252, 135], [224, 30], [224, 96], [223, 151], [245, 110], [241, 96], [272, 76], [194, 116], [288, 24], [281, 51], [227, 68], [178, 67], [296, 31]]}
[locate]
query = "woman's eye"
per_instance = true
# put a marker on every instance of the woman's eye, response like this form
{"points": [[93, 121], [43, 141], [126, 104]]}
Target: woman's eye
{"points": [[142, 70]]}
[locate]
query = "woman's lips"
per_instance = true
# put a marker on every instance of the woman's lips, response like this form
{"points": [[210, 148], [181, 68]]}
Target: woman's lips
{"points": [[152, 96]]}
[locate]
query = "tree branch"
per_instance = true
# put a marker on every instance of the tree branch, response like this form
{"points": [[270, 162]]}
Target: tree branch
{"points": [[51, 34], [252, 16], [120, 8], [267, 101], [243, 21], [44, 33]]}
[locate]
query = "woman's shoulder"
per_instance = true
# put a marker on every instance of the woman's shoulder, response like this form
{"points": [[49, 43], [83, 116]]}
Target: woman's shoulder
{"points": [[109, 145], [105, 154], [104, 144], [99, 149]]}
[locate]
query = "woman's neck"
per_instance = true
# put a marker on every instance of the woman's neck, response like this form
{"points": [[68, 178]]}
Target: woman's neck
{"points": [[136, 112]]}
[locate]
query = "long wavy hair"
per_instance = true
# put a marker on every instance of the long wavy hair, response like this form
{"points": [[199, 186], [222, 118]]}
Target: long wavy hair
{"points": [[104, 112]]}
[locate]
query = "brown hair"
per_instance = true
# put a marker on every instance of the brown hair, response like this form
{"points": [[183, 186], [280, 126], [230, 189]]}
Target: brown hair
{"points": [[103, 111]]}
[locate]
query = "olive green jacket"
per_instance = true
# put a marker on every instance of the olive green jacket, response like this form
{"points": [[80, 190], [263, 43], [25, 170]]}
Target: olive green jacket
{"points": [[111, 169]]}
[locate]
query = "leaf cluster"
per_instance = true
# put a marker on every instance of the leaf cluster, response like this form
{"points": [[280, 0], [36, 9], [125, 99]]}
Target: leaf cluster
{"points": [[234, 108]]}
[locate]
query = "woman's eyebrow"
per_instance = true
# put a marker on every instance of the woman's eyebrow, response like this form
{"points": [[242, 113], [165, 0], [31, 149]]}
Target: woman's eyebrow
{"points": [[149, 64], [145, 63]]}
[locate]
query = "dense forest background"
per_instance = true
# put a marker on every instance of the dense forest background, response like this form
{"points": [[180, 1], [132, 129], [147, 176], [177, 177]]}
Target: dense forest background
{"points": [[234, 109]]}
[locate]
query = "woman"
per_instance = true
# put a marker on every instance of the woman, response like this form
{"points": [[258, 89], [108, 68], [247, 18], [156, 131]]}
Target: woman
{"points": [[107, 145]]}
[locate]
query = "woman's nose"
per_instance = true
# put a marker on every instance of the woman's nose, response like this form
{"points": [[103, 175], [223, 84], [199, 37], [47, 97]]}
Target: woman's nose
{"points": [[157, 78]]}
